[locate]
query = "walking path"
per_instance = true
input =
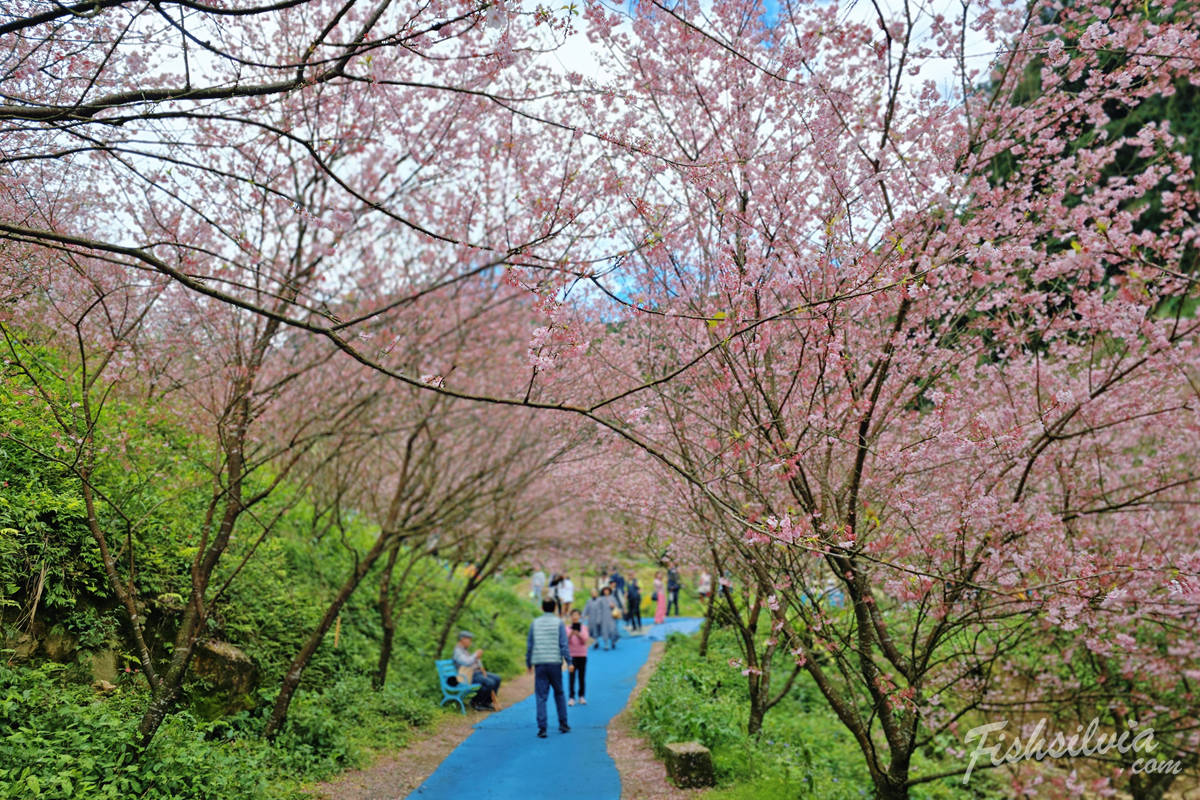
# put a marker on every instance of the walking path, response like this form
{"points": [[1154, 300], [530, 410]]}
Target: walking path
{"points": [[504, 759]]}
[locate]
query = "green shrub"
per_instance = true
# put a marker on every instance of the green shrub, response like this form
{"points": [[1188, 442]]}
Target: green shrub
{"points": [[64, 742], [59, 738], [803, 750]]}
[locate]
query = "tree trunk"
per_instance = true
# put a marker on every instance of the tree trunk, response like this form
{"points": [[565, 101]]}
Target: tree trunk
{"points": [[758, 710], [459, 603], [154, 715], [167, 692], [397, 602], [887, 789], [386, 620], [482, 573], [710, 608], [291, 679], [194, 617], [127, 598]]}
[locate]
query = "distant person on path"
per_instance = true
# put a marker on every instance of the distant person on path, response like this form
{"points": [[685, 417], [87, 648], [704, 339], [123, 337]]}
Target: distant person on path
{"points": [[633, 598], [470, 668], [610, 612], [704, 587], [577, 646], [673, 587], [545, 652], [538, 585], [660, 599], [617, 580], [619, 597], [566, 595], [555, 580], [593, 614]]}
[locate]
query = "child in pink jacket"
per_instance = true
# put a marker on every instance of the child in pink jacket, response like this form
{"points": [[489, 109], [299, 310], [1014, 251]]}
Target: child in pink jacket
{"points": [[577, 646]]}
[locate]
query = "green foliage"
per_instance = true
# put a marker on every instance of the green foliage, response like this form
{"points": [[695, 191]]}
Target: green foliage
{"points": [[803, 750], [340, 727], [59, 738], [42, 523], [91, 629], [63, 742], [145, 467], [668, 710]]}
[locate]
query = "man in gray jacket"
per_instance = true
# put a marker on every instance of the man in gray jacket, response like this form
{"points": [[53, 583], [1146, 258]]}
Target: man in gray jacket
{"points": [[545, 652]]}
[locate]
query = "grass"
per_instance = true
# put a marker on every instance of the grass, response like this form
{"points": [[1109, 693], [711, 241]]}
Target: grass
{"points": [[59, 739], [803, 750]]}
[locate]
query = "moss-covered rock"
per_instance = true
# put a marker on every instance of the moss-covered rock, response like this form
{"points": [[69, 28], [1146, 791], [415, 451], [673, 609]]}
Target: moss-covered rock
{"points": [[690, 765], [228, 677]]}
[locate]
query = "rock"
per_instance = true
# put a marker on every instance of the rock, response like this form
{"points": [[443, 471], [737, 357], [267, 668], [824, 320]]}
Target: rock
{"points": [[104, 665], [104, 687], [230, 675], [23, 647], [225, 667], [60, 647], [689, 765]]}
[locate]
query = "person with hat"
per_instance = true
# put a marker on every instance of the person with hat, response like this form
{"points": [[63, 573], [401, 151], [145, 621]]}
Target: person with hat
{"points": [[470, 669]]}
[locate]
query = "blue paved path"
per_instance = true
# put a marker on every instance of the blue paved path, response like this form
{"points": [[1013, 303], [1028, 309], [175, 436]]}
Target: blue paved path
{"points": [[504, 759]]}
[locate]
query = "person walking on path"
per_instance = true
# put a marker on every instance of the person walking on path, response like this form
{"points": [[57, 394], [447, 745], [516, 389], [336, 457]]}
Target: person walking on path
{"points": [[617, 582], [673, 587], [555, 580], [593, 615], [660, 599], [633, 597], [577, 646], [566, 595], [545, 652], [618, 596], [538, 585], [610, 612]]}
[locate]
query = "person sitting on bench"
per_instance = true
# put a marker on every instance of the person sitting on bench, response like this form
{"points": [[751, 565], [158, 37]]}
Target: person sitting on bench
{"points": [[470, 669]]}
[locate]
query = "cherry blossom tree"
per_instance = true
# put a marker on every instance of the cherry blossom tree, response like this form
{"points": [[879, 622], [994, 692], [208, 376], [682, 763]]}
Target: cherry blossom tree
{"points": [[417, 121], [912, 338], [430, 485], [898, 323], [279, 166], [218, 379]]}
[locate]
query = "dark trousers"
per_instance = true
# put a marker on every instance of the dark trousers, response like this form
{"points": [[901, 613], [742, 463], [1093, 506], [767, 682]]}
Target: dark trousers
{"points": [[545, 678], [580, 663], [634, 614], [490, 683], [673, 600]]}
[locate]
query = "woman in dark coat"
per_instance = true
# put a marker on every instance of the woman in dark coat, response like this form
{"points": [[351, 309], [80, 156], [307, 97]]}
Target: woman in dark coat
{"points": [[634, 612]]}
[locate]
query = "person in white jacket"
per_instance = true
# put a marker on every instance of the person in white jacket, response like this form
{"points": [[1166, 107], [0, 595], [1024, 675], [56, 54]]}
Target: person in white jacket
{"points": [[566, 595]]}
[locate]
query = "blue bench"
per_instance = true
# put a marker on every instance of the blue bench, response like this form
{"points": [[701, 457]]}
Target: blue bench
{"points": [[456, 691]]}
